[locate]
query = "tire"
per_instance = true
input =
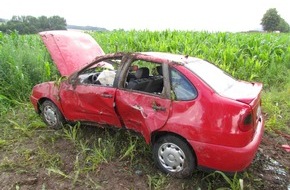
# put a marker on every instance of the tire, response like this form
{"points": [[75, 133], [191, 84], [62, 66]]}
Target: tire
{"points": [[173, 156], [51, 115]]}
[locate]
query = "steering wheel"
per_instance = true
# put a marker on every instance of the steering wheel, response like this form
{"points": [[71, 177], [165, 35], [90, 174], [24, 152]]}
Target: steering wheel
{"points": [[95, 79]]}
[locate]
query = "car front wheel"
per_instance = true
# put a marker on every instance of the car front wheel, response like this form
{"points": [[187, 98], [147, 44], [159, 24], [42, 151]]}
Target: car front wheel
{"points": [[173, 156], [51, 115]]}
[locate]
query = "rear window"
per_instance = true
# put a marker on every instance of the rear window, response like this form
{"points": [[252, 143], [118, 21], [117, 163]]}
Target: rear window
{"points": [[216, 78]]}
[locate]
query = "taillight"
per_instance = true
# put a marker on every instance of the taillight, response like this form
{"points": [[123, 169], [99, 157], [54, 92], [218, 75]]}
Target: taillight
{"points": [[246, 123]]}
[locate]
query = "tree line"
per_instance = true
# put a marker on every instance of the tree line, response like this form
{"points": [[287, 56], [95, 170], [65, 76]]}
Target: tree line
{"points": [[33, 25]]}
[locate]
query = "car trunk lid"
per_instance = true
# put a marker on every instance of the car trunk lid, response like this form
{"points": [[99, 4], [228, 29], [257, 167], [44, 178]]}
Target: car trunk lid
{"points": [[248, 93], [244, 92], [71, 50]]}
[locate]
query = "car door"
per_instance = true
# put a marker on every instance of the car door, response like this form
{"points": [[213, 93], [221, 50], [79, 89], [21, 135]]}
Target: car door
{"points": [[142, 111], [85, 100]]}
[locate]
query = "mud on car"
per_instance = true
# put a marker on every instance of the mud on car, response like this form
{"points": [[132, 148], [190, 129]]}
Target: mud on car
{"points": [[192, 113]]}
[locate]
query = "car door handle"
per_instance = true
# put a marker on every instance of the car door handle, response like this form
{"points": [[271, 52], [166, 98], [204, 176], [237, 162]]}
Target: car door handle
{"points": [[158, 108], [107, 95]]}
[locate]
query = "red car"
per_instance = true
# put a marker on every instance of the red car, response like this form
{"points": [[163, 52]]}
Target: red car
{"points": [[190, 111]]}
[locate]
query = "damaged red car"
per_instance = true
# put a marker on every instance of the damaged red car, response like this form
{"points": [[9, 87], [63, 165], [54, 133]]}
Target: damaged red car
{"points": [[192, 113]]}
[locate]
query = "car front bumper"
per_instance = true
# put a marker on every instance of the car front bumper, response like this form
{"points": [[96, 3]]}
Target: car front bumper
{"points": [[34, 101]]}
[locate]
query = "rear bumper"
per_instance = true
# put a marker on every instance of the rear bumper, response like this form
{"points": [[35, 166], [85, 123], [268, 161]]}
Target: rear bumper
{"points": [[228, 159]]}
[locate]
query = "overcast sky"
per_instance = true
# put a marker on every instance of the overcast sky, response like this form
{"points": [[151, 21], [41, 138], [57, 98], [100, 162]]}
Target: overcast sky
{"points": [[208, 15]]}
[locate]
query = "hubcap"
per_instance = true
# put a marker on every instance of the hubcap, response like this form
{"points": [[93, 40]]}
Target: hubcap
{"points": [[171, 157], [49, 115]]}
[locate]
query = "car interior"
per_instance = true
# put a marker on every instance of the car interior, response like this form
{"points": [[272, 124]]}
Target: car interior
{"points": [[146, 78], [143, 81]]}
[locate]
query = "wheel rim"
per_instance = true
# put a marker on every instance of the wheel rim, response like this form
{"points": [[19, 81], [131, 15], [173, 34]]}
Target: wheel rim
{"points": [[50, 115], [171, 157]]}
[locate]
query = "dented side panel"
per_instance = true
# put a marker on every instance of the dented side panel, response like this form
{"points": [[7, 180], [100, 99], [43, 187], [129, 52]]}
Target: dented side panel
{"points": [[142, 112], [93, 103]]}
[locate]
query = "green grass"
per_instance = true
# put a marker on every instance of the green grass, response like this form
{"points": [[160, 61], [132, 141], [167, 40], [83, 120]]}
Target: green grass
{"points": [[276, 107]]}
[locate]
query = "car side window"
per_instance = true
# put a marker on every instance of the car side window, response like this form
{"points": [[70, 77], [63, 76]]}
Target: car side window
{"points": [[181, 88], [103, 73], [145, 76]]}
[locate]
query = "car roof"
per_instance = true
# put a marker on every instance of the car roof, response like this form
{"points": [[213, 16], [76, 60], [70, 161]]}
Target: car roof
{"points": [[177, 58]]}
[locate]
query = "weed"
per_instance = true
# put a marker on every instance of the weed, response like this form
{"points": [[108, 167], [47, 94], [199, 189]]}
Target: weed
{"points": [[130, 150], [276, 107], [73, 133], [57, 171], [7, 164], [3, 143], [157, 182], [83, 147], [21, 128], [46, 159], [77, 170], [235, 183], [95, 185]]}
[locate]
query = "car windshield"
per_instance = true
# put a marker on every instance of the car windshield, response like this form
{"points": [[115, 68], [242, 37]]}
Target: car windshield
{"points": [[216, 78]]}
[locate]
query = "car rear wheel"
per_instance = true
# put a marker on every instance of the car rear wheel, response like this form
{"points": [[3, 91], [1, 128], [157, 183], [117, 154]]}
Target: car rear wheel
{"points": [[51, 115], [173, 156]]}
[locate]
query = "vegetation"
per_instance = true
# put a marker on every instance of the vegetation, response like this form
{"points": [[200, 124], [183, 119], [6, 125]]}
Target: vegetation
{"points": [[76, 153], [24, 61], [272, 21], [254, 57], [33, 25]]}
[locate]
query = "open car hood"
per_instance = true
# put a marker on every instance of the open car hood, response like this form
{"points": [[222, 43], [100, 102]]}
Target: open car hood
{"points": [[70, 50]]}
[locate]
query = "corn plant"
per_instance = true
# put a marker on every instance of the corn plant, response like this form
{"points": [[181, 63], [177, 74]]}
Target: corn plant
{"points": [[254, 56]]}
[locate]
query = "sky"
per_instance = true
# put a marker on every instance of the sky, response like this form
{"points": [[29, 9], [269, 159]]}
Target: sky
{"points": [[195, 15]]}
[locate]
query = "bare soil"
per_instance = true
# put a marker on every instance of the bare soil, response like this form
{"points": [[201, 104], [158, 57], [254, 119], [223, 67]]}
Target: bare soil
{"points": [[271, 167], [269, 170]]}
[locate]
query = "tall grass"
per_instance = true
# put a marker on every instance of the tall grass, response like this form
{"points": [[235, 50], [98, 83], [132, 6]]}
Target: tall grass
{"points": [[24, 61]]}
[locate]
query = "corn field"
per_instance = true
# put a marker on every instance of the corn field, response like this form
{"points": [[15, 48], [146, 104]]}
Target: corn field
{"points": [[263, 57], [249, 56]]}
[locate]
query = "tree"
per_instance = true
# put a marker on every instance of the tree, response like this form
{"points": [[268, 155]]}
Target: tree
{"points": [[272, 21], [283, 26], [32, 25], [57, 23]]}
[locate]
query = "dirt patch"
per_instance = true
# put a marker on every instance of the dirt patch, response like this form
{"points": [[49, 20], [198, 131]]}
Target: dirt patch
{"points": [[271, 167], [123, 177]]}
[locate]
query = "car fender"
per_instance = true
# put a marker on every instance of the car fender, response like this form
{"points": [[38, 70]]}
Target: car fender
{"points": [[44, 91]]}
